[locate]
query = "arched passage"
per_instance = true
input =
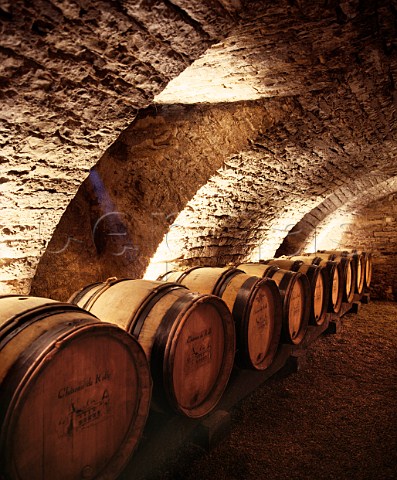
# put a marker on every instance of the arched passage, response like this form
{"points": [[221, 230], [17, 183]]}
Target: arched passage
{"points": [[344, 201], [367, 221], [316, 108], [73, 75]]}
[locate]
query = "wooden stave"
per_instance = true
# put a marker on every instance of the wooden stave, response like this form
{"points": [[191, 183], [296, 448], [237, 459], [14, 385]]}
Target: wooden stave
{"points": [[284, 263], [250, 288], [162, 389], [332, 269], [338, 271], [37, 334], [367, 266], [258, 269], [219, 386], [313, 272], [216, 281], [171, 276], [285, 286], [347, 272], [213, 282], [368, 270], [358, 263]]}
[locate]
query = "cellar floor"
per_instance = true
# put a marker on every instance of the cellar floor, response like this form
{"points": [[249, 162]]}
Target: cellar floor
{"points": [[336, 418]]}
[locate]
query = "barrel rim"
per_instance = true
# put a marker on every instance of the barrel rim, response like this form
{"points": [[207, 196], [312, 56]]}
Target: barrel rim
{"points": [[277, 323], [313, 272], [219, 386], [272, 268], [138, 418], [360, 282], [285, 286], [103, 286], [223, 279], [320, 271], [300, 277], [144, 306], [368, 269], [30, 314], [357, 259], [346, 262], [338, 304], [241, 315], [294, 267], [184, 273], [348, 293], [241, 309], [137, 319], [330, 267]]}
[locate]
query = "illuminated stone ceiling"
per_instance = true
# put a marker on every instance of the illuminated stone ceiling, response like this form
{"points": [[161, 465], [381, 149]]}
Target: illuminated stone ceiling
{"points": [[73, 75], [296, 105]]}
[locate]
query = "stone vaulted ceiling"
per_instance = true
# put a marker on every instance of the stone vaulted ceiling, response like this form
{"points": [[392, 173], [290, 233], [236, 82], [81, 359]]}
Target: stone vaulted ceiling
{"points": [[73, 75], [291, 115]]}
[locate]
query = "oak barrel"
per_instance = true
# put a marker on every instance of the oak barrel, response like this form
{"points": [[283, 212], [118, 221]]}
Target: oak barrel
{"points": [[255, 304], [368, 269], [74, 392], [295, 294], [367, 262], [357, 263], [318, 278], [335, 285], [188, 338], [348, 273]]}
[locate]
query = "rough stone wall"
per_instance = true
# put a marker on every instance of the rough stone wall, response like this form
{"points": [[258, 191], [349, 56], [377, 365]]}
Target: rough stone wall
{"points": [[73, 74], [366, 221], [287, 48], [341, 202], [331, 119], [124, 207], [327, 145], [374, 228], [244, 213]]}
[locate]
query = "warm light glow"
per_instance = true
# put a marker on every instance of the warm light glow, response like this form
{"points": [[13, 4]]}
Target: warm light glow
{"points": [[6, 252], [170, 249], [208, 82], [4, 289], [329, 234], [155, 269], [327, 237], [264, 251], [163, 260], [278, 230]]}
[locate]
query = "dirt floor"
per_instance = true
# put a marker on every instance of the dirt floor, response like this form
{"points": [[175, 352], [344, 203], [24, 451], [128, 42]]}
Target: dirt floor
{"points": [[334, 419]]}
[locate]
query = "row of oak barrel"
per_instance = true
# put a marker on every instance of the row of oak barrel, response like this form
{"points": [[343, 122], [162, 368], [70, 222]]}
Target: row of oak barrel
{"points": [[78, 378]]}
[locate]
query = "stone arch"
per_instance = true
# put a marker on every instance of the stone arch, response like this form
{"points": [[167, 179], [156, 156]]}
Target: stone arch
{"points": [[73, 76], [317, 110], [344, 201]]}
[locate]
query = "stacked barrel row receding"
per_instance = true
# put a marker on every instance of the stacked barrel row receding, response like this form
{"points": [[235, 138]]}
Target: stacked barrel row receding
{"points": [[78, 379]]}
